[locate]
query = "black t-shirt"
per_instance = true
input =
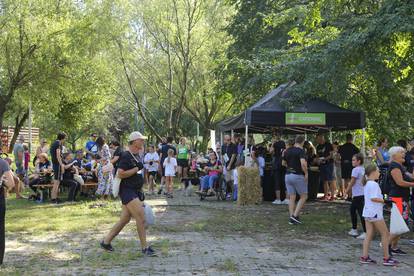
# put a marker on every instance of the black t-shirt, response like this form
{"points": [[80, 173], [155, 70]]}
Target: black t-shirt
{"points": [[68, 173], [127, 162], [53, 151], [396, 190], [347, 151], [164, 151], [324, 150], [292, 156], [117, 152], [278, 148], [229, 149]]}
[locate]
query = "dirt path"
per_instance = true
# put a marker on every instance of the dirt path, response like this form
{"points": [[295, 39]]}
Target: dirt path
{"points": [[193, 238]]}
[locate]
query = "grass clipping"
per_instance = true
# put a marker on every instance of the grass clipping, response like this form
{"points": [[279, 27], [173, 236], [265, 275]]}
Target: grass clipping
{"points": [[249, 188]]}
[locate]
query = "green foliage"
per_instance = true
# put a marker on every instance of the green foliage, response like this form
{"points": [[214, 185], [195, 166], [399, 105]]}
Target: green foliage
{"points": [[353, 53]]}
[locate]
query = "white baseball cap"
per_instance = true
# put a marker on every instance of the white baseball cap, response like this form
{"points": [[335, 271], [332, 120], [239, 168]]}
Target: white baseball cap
{"points": [[136, 135]]}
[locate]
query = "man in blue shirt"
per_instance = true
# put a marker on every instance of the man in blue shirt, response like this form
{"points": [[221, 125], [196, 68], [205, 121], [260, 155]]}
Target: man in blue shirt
{"points": [[91, 148]]}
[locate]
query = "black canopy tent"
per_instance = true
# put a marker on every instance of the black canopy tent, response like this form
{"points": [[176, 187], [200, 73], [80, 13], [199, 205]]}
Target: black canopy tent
{"points": [[314, 115]]}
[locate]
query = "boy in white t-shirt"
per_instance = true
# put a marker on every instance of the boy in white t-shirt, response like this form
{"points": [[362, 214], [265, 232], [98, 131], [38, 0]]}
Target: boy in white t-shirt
{"points": [[357, 204], [151, 161], [373, 214], [170, 166]]}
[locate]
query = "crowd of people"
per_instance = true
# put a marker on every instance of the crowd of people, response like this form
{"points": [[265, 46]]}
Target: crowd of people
{"points": [[341, 167]]}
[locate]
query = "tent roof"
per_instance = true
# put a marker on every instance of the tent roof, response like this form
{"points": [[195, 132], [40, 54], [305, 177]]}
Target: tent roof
{"points": [[269, 113]]}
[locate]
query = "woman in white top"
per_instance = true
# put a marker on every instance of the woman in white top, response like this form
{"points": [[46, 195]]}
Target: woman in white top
{"points": [[170, 166], [151, 161], [374, 217]]}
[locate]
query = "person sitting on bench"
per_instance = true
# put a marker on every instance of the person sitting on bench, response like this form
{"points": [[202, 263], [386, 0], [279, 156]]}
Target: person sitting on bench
{"points": [[42, 173], [213, 169], [68, 176]]}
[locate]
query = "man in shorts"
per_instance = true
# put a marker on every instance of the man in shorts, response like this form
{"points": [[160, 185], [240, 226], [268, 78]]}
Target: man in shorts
{"points": [[164, 154], [228, 157], [296, 178]]}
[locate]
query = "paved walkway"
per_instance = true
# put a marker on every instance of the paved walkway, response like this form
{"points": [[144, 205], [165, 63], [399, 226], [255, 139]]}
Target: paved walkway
{"points": [[187, 247]]}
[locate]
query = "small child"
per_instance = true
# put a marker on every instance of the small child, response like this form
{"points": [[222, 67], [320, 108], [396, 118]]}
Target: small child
{"points": [[357, 204], [373, 214], [170, 165]]}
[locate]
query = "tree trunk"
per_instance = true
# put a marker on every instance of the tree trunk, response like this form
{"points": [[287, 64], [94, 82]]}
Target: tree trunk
{"points": [[19, 124], [204, 142]]}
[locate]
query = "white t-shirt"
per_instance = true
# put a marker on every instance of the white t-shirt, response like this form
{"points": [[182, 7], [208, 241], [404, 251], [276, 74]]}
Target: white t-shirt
{"points": [[358, 188], [151, 157], [262, 165], [170, 166], [372, 209]]}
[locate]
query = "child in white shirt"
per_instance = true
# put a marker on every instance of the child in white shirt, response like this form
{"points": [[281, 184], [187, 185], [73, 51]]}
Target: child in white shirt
{"points": [[374, 217], [170, 165]]}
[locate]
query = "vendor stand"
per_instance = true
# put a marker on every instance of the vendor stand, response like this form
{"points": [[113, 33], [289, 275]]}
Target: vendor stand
{"points": [[311, 117]]}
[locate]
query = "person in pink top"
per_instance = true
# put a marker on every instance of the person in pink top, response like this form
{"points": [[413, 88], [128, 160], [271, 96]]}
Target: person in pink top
{"points": [[213, 169]]}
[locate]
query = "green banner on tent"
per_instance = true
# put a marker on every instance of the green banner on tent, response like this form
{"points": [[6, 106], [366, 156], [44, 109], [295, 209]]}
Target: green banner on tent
{"points": [[306, 119]]}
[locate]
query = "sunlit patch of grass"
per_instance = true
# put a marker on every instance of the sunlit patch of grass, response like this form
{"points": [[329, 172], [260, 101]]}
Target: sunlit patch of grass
{"points": [[32, 218], [228, 266]]}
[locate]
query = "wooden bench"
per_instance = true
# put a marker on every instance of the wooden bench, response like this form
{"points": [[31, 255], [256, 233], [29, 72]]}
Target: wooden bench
{"points": [[87, 186]]}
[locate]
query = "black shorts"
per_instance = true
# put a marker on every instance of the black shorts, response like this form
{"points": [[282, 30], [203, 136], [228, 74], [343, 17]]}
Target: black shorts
{"points": [[57, 174], [182, 163], [154, 174], [346, 170], [128, 195]]}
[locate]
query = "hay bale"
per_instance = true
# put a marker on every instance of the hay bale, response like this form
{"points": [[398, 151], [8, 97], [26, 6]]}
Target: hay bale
{"points": [[249, 189]]}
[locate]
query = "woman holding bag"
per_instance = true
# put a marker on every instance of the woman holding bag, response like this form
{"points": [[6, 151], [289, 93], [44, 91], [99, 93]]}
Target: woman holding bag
{"points": [[129, 170], [400, 184]]}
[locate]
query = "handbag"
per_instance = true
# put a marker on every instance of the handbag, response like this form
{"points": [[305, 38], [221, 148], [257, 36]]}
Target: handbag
{"points": [[149, 215], [116, 183], [397, 224]]}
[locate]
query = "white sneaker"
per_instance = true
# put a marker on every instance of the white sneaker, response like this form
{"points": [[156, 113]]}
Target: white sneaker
{"points": [[277, 202], [361, 237], [353, 233], [286, 202]]}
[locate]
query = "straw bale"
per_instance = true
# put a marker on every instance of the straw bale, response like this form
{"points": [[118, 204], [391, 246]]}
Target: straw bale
{"points": [[249, 188]]}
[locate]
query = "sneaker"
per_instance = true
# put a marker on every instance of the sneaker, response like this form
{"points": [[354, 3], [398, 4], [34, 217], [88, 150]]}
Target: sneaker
{"points": [[285, 202], [362, 236], [277, 202], [149, 252], [169, 195], [292, 222], [367, 260], [353, 233], [107, 247], [398, 252], [296, 220], [159, 192], [390, 262]]}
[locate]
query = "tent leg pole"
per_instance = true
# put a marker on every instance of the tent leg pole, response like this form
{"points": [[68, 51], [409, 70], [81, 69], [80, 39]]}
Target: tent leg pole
{"points": [[306, 136], [330, 136], [232, 133], [221, 137], [246, 137], [363, 140]]}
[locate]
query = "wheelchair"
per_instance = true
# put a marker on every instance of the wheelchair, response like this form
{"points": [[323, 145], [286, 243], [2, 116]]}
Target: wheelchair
{"points": [[219, 188]]}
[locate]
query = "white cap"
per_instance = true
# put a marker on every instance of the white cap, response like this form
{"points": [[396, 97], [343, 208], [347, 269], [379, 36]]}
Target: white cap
{"points": [[136, 135]]}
